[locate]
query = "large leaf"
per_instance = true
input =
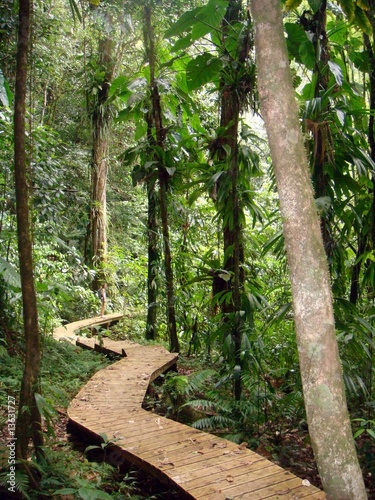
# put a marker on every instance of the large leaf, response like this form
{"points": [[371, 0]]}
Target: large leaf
{"points": [[9, 274], [362, 21], [182, 43], [209, 18], [183, 24], [119, 84], [201, 70], [202, 20], [307, 54], [348, 6], [315, 5]]}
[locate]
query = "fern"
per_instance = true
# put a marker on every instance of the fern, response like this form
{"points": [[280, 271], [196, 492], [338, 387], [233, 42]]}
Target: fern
{"points": [[21, 480]]}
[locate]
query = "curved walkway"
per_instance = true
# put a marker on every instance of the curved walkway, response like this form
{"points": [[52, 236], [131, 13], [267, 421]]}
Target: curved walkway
{"points": [[197, 464]]}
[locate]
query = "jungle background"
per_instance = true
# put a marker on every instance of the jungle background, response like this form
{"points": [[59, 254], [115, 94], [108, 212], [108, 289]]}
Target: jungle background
{"points": [[149, 169]]}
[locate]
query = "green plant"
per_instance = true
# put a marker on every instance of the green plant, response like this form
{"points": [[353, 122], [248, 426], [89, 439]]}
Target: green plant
{"points": [[85, 491], [365, 426]]}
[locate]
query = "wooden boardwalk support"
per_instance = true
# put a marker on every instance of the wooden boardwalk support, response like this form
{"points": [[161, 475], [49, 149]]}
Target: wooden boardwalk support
{"points": [[197, 464]]}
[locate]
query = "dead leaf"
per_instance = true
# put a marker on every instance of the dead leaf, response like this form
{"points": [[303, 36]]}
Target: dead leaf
{"points": [[242, 446], [283, 492], [230, 479], [166, 461]]}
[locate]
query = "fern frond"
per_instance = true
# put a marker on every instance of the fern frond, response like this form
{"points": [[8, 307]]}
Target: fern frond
{"points": [[198, 380], [214, 422]]}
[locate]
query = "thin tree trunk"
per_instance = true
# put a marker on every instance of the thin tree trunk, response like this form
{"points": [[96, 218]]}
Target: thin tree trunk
{"points": [[319, 128], [324, 393], [153, 260], [163, 175], [232, 229], [29, 419]]}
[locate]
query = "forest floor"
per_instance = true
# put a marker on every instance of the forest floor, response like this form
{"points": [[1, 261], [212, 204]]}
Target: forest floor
{"points": [[281, 441]]}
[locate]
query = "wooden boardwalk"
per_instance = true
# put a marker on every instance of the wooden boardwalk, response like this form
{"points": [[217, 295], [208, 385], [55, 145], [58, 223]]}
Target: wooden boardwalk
{"points": [[197, 464]]}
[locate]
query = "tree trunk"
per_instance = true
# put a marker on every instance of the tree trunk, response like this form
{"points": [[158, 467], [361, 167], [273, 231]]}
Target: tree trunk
{"points": [[232, 229], [327, 415], [99, 167], [319, 127], [153, 260], [29, 419], [157, 121]]}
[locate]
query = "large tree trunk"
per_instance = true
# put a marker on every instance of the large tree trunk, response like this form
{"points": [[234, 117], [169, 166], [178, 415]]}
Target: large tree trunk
{"points": [[157, 121], [101, 130], [29, 419], [327, 415]]}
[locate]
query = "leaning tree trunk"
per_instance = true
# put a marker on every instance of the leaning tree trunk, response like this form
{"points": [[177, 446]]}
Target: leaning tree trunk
{"points": [[327, 415], [101, 129], [157, 121], [29, 419]]}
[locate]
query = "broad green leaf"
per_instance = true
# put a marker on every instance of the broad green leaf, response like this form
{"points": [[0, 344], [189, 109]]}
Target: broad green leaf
{"points": [[307, 54], [119, 84], [182, 43], [296, 36], [183, 24], [348, 7], [360, 60], [362, 21], [202, 70], [124, 114], [315, 5], [195, 122], [358, 433], [9, 274], [141, 129], [337, 32], [209, 17], [292, 4]]}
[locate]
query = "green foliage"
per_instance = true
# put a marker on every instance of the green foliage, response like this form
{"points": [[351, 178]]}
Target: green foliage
{"points": [[365, 426]]}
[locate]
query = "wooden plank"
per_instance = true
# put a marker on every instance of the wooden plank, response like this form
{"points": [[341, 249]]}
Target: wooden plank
{"points": [[202, 466], [300, 492], [265, 480]]}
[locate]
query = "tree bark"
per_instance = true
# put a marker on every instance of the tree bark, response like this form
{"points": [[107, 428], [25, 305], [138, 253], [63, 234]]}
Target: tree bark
{"points": [[99, 167], [327, 415], [29, 418], [230, 109], [153, 260], [157, 121]]}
